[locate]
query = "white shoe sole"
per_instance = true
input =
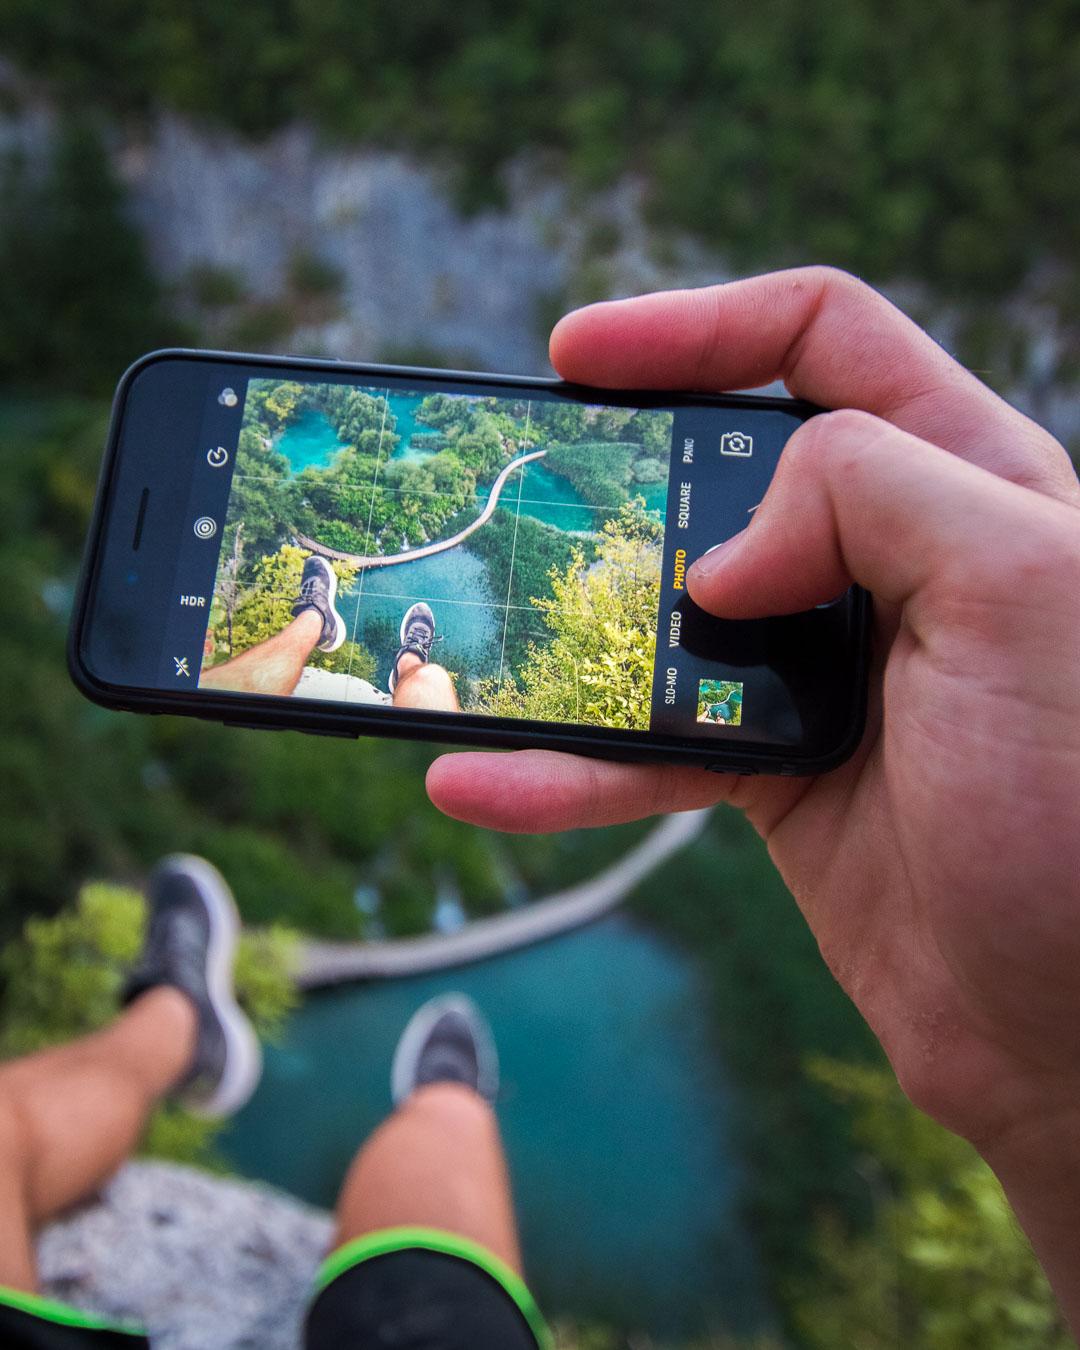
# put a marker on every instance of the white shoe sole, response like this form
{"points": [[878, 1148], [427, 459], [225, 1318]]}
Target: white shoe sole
{"points": [[416, 1033], [243, 1056], [392, 681], [339, 623]]}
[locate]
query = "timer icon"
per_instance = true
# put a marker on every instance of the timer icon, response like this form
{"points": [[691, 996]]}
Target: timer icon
{"points": [[217, 457]]}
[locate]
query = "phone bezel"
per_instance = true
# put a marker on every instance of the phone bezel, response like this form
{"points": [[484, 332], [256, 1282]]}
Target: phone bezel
{"points": [[261, 712]]}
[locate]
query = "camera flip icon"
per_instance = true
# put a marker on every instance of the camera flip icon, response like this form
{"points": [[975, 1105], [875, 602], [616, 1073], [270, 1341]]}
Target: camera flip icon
{"points": [[737, 443]]}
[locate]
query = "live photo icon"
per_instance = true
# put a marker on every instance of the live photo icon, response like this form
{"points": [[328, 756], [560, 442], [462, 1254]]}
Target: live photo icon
{"points": [[736, 443]]}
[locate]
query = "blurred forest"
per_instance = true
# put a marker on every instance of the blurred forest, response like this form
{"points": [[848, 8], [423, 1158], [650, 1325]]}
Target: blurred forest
{"points": [[920, 139], [926, 142]]}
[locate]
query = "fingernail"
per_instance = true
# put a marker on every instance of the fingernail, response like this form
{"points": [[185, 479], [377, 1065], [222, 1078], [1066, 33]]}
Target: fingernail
{"points": [[714, 559]]}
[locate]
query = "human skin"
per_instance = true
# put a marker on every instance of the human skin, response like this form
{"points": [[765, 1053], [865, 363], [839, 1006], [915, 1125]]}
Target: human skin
{"points": [[273, 666], [940, 867]]}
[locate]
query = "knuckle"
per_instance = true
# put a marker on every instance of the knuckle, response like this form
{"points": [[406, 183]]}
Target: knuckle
{"points": [[833, 282], [1012, 584], [834, 440], [850, 426]]}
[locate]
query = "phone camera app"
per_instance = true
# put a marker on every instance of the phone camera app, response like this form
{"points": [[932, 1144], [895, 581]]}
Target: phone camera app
{"points": [[736, 443]]}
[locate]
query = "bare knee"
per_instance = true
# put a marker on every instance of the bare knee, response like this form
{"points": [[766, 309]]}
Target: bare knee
{"points": [[427, 686], [452, 1103]]}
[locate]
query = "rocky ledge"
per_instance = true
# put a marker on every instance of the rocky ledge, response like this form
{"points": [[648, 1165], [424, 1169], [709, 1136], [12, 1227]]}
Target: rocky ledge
{"points": [[201, 1261]]}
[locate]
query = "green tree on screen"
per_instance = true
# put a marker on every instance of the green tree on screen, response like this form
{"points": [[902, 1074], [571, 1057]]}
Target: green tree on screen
{"points": [[265, 608], [597, 667]]}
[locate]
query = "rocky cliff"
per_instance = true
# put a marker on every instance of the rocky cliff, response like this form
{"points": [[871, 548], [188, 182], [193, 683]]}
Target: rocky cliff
{"points": [[203, 1262]]}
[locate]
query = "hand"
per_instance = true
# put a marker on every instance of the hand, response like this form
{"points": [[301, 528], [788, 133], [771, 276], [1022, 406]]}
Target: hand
{"points": [[940, 867]]}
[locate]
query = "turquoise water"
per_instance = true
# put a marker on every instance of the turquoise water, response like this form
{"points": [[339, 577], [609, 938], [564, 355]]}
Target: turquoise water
{"points": [[311, 440], [545, 495], [550, 497], [308, 441], [655, 495], [615, 1117], [404, 407], [456, 586]]}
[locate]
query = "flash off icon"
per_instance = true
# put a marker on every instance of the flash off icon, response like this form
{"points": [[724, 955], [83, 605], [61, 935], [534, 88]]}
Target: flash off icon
{"points": [[736, 443]]}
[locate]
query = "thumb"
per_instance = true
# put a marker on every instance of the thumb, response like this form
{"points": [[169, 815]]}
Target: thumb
{"points": [[854, 500]]}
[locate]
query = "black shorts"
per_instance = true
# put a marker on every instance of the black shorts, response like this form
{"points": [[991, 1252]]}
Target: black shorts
{"points": [[405, 1288]]}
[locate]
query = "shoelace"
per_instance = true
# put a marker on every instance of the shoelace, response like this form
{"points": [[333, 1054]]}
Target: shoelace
{"points": [[421, 635]]}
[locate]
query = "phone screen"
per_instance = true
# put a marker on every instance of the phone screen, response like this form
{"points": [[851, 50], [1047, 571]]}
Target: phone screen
{"points": [[488, 552]]}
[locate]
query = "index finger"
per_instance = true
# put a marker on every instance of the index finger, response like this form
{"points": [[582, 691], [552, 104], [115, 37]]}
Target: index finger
{"points": [[534, 791], [832, 339]]}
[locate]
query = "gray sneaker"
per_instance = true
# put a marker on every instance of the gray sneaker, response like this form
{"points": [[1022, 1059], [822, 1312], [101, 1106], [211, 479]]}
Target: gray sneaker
{"points": [[190, 945], [447, 1040], [416, 635], [318, 589]]}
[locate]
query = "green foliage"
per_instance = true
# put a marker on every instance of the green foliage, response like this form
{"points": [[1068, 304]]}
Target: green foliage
{"points": [[260, 326], [612, 450], [774, 1006], [178, 1136], [265, 960], [62, 979], [938, 142], [418, 500], [62, 976], [600, 471], [77, 299], [943, 1264], [536, 549], [595, 1337], [597, 667], [559, 421], [244, 617], [213, 287], [312, 276], [296, 823], [270, 405]]}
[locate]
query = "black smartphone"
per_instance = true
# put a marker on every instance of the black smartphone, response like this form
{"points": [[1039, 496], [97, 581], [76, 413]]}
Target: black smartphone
{"points": [[379, 550]]}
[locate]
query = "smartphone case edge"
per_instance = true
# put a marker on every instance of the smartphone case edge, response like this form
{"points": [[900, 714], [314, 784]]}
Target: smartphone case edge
{"points": [[315, 718]]}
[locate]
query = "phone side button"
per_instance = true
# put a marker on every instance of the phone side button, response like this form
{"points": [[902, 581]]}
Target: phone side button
{"points": [[742, 769]]}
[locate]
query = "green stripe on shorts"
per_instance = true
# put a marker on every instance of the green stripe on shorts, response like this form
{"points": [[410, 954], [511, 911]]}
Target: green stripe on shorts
{"points": [[63, 1314], [388, 1240]]}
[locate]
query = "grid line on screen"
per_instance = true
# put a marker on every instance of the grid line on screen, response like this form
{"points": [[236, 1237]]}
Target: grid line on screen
{"points": [[472, 639], [367, 533], [513, 546], [290, 596], [589, 507]]}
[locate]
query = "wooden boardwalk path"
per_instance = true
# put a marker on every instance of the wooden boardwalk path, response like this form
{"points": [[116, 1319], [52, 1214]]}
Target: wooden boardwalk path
{"points": [[329, 963], [426, 550]]}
